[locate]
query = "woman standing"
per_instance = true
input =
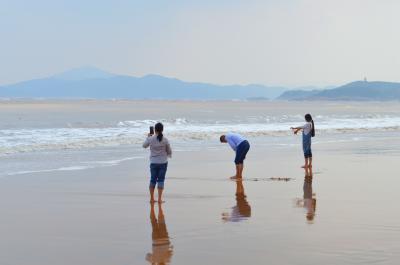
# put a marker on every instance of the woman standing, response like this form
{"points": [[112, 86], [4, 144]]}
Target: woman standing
{"points": [[308, 133], [160, 150]]}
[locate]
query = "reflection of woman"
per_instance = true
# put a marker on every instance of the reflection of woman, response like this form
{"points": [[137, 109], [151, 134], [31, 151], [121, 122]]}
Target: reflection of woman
{"points": [[161, 247], [242, 210], [310, 202]]}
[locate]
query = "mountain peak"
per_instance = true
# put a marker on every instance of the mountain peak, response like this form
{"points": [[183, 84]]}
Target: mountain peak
{"points": [[83, 73]]}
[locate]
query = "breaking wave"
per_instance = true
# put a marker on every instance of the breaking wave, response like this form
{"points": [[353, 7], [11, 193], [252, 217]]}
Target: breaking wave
{"points": [[179, 130]]}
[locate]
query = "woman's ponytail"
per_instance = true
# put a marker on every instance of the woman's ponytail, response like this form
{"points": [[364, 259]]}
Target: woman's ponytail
{"points": [[313, 129], [159, 137], [159, 129]]}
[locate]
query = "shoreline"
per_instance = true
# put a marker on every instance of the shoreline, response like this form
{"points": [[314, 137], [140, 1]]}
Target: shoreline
{"points": [[101, 215], [106, 210]]}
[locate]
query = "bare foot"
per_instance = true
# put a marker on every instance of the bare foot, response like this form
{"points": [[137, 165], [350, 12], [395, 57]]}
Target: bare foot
{"points": [[152, 201], [234, 177], [160, 201], [304, 166]]}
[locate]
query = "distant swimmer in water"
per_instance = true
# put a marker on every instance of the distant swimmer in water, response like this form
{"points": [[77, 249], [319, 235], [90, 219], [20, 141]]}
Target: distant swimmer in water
{"points": [[241, 146], [308, 133], [160, 151]]}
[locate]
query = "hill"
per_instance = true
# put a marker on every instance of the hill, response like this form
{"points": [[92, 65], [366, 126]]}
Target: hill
{"points": [[297, 94], [97, 84], [356, 91]]}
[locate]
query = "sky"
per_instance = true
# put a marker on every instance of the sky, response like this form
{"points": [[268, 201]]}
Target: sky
{"points": [[271, 42]]}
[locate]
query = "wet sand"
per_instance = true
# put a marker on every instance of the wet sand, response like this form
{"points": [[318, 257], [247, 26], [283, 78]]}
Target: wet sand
{"points": [[346, 214]]}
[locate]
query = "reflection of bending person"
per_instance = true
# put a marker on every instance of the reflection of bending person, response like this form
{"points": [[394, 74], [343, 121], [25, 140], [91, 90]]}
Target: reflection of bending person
{"points": [[161, 247], [242, 210], [241, 146]]}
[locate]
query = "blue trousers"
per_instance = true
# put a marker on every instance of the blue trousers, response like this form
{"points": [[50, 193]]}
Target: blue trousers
{"points": [[241, 152], [307, 145], [158, 172]]}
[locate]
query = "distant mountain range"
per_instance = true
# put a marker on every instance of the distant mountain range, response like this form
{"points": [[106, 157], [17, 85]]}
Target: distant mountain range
{"points": [[93, 83], [298, 94], [357, 91]]}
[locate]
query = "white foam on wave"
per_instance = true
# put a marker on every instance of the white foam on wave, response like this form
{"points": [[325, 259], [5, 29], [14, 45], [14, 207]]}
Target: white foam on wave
{"points": [[88, 165], [147, 123], [23, 172], [180, 130]]}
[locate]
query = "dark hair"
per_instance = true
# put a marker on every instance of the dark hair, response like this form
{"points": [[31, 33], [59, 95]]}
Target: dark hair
{"points": [[310, 119], [159, 129], [222, 138]]}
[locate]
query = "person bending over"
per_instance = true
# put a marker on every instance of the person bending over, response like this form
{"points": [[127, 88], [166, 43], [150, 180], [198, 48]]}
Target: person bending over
{"points": [[241, 146]]}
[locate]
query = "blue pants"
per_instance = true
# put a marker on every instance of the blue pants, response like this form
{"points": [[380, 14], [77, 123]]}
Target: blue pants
{"points": [[158, 172], [307, 145], [241, 152]]}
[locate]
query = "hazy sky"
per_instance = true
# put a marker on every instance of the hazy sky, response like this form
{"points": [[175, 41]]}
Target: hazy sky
{"points": [[272, 42]]}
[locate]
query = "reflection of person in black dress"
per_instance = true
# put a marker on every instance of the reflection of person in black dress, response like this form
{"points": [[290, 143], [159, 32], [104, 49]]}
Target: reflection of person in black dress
{"points": [[309, 201], [242, 210], [161, 247]]}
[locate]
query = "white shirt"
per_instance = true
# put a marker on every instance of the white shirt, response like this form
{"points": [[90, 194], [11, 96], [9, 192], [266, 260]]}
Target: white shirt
{"points": [[307, 128], [159, 151], [234, 140]]}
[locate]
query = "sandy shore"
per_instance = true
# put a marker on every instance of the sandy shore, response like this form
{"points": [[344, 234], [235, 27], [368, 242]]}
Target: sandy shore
{"points": [[347, 215]]}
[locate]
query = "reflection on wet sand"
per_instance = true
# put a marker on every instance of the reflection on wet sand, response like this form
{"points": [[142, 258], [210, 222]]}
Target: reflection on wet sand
{"points": [[309, 201], [162, 250], [242, 210]]}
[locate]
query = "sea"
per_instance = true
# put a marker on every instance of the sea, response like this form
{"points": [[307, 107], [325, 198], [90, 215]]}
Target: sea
{"points": [[43, 136]]}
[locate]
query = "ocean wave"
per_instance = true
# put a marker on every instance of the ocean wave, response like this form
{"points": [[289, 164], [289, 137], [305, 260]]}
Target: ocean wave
{"points": [[179, 130], [147, 123], [81, 166]]}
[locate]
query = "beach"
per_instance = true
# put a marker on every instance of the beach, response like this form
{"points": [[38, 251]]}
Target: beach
{"points": [[74, 184]]}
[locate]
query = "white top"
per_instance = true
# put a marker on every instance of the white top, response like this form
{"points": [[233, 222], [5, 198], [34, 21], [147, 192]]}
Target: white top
{"points": [[307, 128], [234, 140], [159, 151]]}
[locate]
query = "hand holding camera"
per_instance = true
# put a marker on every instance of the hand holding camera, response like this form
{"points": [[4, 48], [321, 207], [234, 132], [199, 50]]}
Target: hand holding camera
{"points": [[151, 131]]}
